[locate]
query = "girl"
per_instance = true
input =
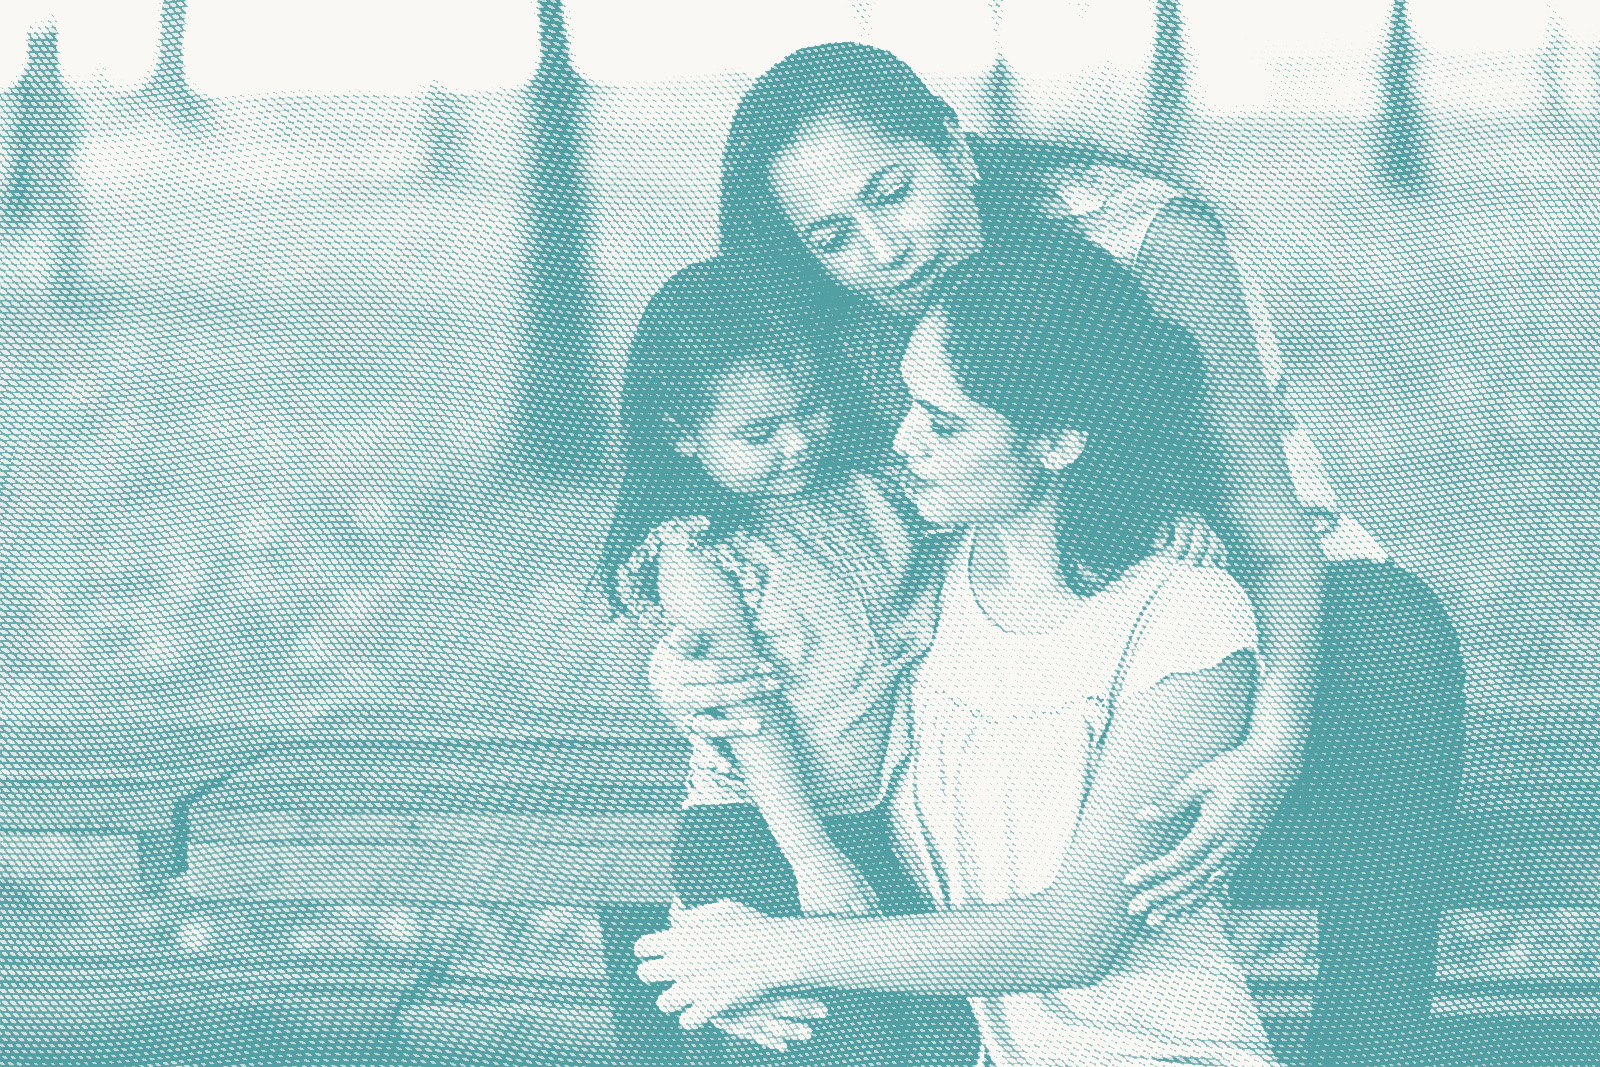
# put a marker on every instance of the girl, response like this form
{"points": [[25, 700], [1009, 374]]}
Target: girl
{"points": [[1074, 678], [730, 524], [850, 180]]}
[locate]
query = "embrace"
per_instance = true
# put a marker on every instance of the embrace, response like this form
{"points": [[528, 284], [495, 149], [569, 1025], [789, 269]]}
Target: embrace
{"points": [[1009, 616]]}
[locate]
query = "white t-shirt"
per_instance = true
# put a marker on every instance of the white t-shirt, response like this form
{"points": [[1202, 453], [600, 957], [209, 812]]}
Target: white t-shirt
{"points": [[1004, 728]]}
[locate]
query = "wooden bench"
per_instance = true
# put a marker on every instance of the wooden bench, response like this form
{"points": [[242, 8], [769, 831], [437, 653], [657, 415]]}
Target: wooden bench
{"points": [[469, 902]]}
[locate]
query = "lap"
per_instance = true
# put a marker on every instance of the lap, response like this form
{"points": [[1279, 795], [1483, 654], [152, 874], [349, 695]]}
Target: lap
{"points": [[727, 852], [1375, 804]]}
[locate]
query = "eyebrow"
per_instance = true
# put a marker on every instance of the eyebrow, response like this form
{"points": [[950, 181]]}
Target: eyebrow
{"points": [[740, 427], [834, 220]]}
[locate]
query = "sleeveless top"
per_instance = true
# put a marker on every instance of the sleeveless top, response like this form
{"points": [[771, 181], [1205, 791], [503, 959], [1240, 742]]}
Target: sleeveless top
{"points": [[1005, 728], [1114, 208], [820, 578]]}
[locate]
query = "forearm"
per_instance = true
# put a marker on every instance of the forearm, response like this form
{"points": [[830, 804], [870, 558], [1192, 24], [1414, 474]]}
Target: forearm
{"points": [[776, 780], [1287, 595], [1188, 271], [1018, 946]]}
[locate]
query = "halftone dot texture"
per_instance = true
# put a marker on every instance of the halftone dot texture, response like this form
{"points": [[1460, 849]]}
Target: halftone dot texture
{"points": [[319, 746]]}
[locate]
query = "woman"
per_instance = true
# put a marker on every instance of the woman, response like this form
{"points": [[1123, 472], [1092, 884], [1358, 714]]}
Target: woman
{"points": [[1075, 676], [849, 179]]}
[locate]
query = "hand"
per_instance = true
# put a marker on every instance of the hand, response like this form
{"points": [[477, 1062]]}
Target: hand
{"points": [[687, 682], [1191, 540], [717, 958], [1239, 792], [836, 890], [772, 1022]]}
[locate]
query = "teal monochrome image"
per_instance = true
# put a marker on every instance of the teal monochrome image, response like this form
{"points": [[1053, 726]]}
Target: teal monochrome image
{"points": [[576, 532]]}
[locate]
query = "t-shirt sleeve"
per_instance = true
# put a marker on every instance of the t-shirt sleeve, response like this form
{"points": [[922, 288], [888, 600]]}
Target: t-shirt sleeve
{"points": [[740, 556], [1198, 618]]}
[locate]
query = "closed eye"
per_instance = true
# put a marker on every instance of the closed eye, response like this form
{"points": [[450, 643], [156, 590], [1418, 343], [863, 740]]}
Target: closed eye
{"points": [[895, 194], [758, 435], [829, 239]]}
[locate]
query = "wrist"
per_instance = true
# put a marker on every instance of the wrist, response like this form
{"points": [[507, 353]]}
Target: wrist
{"points": [[782, 957]]}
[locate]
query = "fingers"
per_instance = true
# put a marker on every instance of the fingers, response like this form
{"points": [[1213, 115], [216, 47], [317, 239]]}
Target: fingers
{"points": [[1200, 843], [751, 1031], [796, 1008], [680, 678], [1158, 901], [1213, 885], [1217, 553], [656, 944], [1202, 839], [702, 1009], [714, 695], [720, 727], [674, 999]]}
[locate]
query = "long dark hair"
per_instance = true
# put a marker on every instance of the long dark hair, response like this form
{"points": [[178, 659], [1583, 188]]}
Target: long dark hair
{"points": [[1051, 332], [708, 319], [878, 88]]}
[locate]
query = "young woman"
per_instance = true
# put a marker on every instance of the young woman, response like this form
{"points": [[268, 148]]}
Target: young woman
{"points": [[852, 182], [1075, 677]]}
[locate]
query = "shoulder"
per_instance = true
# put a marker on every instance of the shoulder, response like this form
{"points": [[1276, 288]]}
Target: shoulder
{"points": [[686, 546], [1196, 618], [1184, 233]]}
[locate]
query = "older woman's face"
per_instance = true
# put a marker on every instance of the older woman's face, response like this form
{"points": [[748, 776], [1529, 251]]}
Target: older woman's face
{"points": [[885, 216]]}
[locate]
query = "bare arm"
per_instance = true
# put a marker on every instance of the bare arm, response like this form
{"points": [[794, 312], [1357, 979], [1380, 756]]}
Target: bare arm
{"points": [[1189, 274], [1068, 935], [696, 594]]}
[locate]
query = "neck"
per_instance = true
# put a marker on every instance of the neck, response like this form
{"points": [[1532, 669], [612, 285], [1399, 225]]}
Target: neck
{"points": [[1018, 558]]}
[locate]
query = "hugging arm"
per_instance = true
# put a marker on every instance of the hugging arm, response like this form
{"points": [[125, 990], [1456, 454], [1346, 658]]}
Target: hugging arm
{"points": [[1068, 935], [1187, 271], [697, 595]]}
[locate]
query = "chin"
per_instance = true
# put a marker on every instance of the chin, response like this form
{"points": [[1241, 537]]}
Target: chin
{"points": [[934, 510]]}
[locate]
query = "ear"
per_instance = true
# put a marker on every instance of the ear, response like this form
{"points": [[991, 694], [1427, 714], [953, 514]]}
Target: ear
{"points": [[1061, 451], [959, 153]]}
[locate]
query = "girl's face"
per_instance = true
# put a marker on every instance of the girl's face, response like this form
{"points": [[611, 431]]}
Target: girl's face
{"points": [[885, 216], [761, 433], [969, 466]]}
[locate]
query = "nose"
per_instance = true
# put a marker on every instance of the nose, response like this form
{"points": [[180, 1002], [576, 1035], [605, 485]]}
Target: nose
{"points": [[886, 247], [905, 437], [792, 441]]}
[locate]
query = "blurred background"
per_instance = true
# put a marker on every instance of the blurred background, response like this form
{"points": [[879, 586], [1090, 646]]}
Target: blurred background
{"points": [[316, 740]]}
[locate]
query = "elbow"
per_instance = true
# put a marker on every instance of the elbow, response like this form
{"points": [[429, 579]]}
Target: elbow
{"points": [[1086, 970], [1072, 960], [1283, 559]]}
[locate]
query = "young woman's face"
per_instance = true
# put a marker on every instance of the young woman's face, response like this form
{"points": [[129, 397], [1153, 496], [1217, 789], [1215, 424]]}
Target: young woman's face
{"points": [[968, 464], [885, 216], [761, 433]]}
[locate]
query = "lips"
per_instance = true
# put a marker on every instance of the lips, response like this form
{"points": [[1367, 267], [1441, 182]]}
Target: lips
{"points": [[920, 275]]}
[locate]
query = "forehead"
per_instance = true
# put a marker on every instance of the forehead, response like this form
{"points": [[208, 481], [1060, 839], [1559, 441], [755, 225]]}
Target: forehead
{"points": [[750, 392], [927, 371], [831, 159]]}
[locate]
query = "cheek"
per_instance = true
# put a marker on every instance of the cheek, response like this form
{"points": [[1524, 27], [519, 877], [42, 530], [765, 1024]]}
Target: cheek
{"points": [[849, 269], [735, 466], [989, 478]]}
